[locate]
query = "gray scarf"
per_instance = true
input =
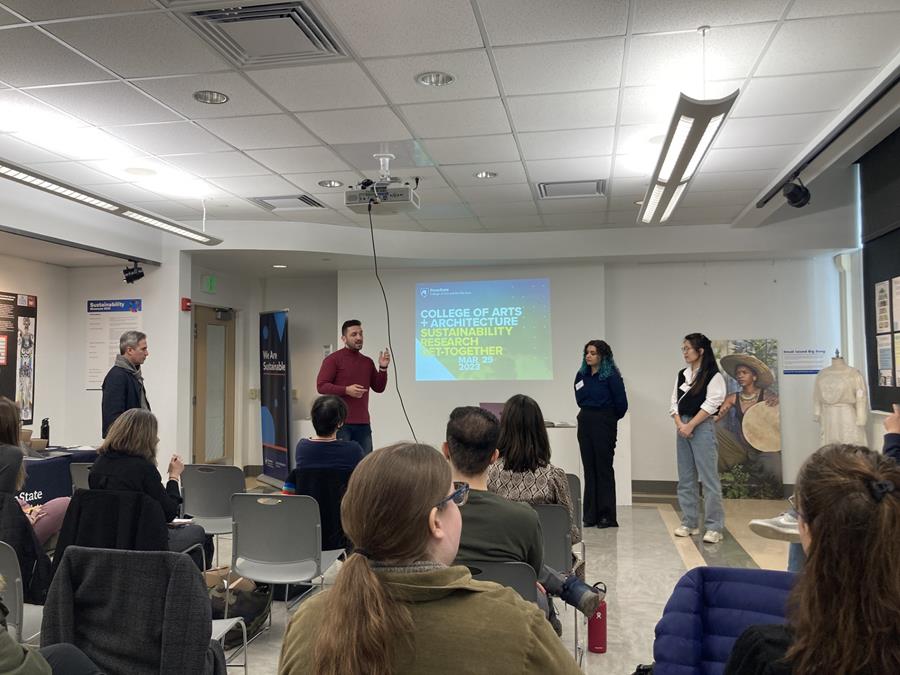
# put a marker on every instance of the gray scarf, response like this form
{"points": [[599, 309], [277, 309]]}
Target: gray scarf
{"points": [[124, 363]]}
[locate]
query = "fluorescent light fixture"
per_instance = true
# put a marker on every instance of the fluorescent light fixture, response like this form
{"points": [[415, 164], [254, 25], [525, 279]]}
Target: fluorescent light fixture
{"points": [[49, 185], [692, 131], [279, 267]]}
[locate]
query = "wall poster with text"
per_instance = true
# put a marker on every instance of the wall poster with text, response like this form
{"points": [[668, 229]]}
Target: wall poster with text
{"points": [[275, 393], [748, 427], [18, 342]]}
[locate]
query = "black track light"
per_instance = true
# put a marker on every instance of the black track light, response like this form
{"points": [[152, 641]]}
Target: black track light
{"points": [[797, 194], [132, 274]]}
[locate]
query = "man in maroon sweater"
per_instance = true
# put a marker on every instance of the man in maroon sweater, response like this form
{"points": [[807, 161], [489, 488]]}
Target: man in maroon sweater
{"points": [[350, 375]]}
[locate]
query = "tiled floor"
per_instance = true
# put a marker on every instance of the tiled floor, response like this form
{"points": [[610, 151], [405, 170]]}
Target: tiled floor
{"points": [[640, 562]]}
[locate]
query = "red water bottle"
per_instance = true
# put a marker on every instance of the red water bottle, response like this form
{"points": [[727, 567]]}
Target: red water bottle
{"points": [[597, 626]]}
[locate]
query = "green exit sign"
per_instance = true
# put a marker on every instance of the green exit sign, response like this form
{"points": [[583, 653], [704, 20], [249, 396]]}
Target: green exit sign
{"points": [[209, 283]]}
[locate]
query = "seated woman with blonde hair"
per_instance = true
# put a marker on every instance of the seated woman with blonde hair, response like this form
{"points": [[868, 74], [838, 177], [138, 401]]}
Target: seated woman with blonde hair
{"points": [[844, 612], [398, 606]]}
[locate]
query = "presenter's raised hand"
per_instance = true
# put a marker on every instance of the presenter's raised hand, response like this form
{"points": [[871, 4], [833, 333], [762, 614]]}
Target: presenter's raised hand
{"points": [[892, 421], [355, 390], [176, 467], [384, 358]]}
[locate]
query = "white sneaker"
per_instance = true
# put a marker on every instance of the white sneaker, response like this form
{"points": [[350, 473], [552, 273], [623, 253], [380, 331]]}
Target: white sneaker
{"points": [[684, 531], [713, 537], [782, 527]]}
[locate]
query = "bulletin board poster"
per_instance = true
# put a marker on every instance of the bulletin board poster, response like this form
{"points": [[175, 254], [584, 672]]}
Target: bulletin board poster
{"points": [[106, 321], [18, 343]]}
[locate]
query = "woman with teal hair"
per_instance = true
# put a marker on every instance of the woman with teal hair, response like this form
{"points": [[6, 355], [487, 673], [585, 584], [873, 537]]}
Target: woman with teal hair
{"points": [[600, 393]]}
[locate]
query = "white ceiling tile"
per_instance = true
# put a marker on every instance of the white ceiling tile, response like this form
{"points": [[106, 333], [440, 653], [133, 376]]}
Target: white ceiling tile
{"points": [[504, 210], [402, 27], [627, 187], [799, 93], [355, 126], [299, 160], [140, 45], [14, 150], [455, 225], [441, 212], [128, 193], [260, 131], [732, 180], [76, 173], [408, 154], [7, 19], [169, 209], [809, 8], [472, 70], [178, 92], [256, 186], [464, 174], [742, 132], [497, 194], [106, 104], [529, 21], [653, 16], [637, 165], [676, 59], [572, 205], [457, 118], [640, 138], [326, 217], [20, 112], [581, 168], [571, 221], [42, 10], [438, 196], [230, 208], [568, 66], [625, 203], [429, 176], [500, 148], [705, 198], [318, 87], [217, 164], [685, 215], [512, 224], [562, 144], [749, 159], [578, 110], [655, 104], [308, 182], [832, 43], [29, 58], [169, 138]]}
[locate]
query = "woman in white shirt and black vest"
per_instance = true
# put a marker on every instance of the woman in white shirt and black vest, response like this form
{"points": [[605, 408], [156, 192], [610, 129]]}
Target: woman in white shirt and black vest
{"points": [[698, 393]]}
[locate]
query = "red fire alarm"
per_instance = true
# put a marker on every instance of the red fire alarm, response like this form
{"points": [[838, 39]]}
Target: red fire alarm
{"points": [[185, 304]]}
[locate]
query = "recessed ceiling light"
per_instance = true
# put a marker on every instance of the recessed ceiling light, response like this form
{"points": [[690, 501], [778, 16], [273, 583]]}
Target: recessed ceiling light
{"points": [[434, 78], [326, 259], [638, 202], [210, 97], [140, 171], [485, 174], [330, 183], [279, 267]]}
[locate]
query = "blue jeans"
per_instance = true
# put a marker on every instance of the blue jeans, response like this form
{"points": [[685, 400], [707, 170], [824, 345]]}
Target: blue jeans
{"points": [[361, 433], [698, 457], [796, 557]]}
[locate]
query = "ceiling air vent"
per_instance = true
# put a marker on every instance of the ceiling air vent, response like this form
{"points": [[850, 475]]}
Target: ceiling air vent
{"points": [[280, 33], [287, 203], [572, 188]]}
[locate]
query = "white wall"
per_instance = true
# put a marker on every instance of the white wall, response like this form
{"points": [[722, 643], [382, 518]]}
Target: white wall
{"points": [[53, 340], [577, 310], [651, 307]]}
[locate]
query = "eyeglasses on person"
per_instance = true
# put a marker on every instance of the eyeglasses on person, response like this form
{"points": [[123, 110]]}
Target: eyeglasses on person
{"points": [[459, 495]]}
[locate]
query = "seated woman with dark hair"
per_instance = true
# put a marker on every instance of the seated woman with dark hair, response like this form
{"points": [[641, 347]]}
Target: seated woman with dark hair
{"points": [[398, 605], [844, 612], [127, 462]]}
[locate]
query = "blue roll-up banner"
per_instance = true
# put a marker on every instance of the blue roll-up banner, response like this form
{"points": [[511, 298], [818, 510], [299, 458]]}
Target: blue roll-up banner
{"points": [[275, 393]]}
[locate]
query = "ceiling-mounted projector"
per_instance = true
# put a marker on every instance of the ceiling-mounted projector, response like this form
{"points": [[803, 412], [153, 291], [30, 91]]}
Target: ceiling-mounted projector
{"points": [[388, 194]]}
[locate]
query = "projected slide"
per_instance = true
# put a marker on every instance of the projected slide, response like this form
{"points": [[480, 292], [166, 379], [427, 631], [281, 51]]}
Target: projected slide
{"points": [[483, 330]]}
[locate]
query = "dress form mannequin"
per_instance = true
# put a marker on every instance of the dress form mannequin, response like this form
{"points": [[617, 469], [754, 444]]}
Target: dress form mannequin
{"points": [[840, 404]]}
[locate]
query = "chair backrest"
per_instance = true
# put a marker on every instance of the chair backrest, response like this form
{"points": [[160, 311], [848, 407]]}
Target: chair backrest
{"points": [[256, 519], [14, 595], [709, 609], [518, 576], [80, 471], [207, 489], [555, 527], [136, 612], [327, 487], [575, 491]]}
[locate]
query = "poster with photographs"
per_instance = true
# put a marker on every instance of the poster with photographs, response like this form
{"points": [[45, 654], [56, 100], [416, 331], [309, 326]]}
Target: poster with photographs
{"points": [[748, 426], [885, 349], [18, 340], [883, 307], [895, 292]]}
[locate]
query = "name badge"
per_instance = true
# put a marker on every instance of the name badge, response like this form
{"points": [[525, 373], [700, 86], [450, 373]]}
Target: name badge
{"points": [[579, 385], [684, 387]]}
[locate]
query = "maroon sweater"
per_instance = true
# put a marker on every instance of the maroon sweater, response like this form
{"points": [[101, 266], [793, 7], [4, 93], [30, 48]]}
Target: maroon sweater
{"points": [[345, 367]]}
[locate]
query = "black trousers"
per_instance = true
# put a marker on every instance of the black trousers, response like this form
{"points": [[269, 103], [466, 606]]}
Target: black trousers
{"points": [[597, 443]]}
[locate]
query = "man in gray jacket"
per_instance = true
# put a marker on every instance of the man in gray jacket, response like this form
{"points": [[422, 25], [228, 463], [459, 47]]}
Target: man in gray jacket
{"points": [[123, 386]]}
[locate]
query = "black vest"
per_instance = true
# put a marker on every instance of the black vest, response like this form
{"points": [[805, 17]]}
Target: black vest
{"points": [[689, 403]]}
